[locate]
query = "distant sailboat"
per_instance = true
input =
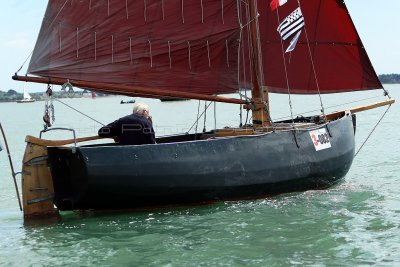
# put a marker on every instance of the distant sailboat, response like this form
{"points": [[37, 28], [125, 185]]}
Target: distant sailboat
{"points": [[26, 98]]}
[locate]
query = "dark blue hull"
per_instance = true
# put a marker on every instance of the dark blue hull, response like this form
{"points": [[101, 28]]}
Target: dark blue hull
{"points": [[188, 172]]}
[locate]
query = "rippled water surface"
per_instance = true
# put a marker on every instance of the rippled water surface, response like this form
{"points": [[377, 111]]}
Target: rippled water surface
{"points": [[356, 223]]}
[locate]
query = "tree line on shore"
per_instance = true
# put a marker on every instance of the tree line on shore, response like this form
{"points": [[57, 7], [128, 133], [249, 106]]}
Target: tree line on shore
{"points": [[11, 95], [389, 78]]}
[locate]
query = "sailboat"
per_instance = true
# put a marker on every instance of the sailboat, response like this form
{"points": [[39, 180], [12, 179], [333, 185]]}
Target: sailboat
{"points": [[197, 49], [26, 98]]}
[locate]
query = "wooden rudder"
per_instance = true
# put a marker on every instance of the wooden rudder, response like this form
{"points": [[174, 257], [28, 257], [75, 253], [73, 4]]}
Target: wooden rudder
{"points": [[37, 183]]}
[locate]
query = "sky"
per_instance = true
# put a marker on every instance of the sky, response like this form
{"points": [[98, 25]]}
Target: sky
{"points": [[377, 22]]}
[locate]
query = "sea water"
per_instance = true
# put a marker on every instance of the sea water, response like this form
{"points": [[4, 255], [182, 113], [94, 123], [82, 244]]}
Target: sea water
{"points": [[356, 223]]}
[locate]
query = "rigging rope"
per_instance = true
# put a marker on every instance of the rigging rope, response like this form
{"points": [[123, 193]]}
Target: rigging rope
{"points": [[49, 107], [338, 105], [215, 116], [198, 119], [205, 115], [30, 54], [247, 118], [313, 67], [79, 112], [23, 64], [373, 129], [286, 73], [249, 46], [239, 54], [238, 78]]}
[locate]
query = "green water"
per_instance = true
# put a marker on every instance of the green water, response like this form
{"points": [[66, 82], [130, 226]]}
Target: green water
{"points": [[356, 223]]}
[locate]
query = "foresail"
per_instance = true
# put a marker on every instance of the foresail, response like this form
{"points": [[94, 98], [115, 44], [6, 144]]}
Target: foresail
{"points": [[178, 45], [340, 60]]}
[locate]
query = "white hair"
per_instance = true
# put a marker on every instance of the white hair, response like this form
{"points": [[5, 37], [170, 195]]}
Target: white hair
{"points": [[140, 108]]}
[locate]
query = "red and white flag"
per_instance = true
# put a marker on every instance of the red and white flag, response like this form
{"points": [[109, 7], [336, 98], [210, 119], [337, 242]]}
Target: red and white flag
{"points": [[277, 3]]}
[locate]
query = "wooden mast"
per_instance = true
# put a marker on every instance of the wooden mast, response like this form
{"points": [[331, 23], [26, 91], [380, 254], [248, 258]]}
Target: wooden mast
{"points": [[259, 92]]}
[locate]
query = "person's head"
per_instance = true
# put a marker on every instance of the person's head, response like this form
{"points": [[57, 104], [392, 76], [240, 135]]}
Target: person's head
{"points": [[141, 109]]}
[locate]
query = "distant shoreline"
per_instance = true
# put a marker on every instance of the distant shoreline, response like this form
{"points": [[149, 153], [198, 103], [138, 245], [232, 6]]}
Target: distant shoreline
{"points": [[12, 95], [389, 78]]}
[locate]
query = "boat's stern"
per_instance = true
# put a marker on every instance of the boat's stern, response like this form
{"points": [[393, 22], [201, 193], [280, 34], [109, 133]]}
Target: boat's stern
{"points": [[37, 182]]}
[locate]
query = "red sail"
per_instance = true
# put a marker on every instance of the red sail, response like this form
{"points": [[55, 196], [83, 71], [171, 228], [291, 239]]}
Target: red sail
{"points": [[175, 45], [340, 60], [192, 46]]}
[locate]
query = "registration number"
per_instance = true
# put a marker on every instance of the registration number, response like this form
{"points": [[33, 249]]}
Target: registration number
{"points": [[320, 139]]}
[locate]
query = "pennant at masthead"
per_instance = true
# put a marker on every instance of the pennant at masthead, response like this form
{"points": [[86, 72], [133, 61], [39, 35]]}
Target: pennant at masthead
{"points": [[276, 3]]}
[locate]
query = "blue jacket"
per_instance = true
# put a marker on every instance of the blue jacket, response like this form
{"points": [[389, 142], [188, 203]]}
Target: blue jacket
{"points": [[130, 130]]}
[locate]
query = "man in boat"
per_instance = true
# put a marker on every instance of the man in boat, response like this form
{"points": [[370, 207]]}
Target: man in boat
{"points": [[133, 129]]}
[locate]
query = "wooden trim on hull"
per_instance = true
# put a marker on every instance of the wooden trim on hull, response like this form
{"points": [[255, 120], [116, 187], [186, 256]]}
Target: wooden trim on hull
{"points": [[44, 142]]}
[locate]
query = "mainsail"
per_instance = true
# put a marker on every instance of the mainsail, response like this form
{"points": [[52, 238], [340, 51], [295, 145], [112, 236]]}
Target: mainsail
{"points": [[175, 45], [200, 46]]}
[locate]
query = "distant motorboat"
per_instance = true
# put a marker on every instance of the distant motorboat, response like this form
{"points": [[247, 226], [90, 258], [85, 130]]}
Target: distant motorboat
{"points": [[167, 99], [128, 102], [26, 98]]}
